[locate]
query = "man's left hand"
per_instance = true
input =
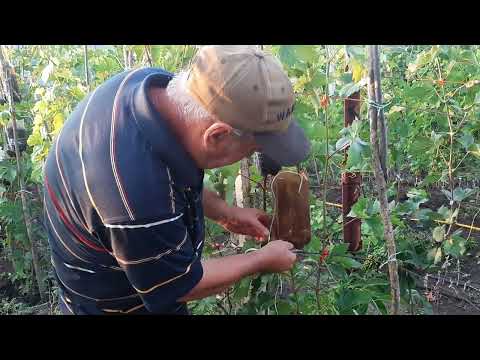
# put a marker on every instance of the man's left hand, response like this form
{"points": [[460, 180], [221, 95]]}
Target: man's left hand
{"points": [[247, 221]]}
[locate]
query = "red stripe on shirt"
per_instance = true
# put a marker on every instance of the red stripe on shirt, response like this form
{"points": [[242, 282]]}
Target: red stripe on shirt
{"points": [[68, 224]]}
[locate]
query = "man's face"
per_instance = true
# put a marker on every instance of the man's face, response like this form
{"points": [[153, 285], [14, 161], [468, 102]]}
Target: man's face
{"points": [[223, 146]]}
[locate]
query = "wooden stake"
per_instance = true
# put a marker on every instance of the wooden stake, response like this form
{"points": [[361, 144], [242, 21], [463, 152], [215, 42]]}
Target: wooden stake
{"points": [[147, 54], [87, 73], [242, 193], [377, 124]]}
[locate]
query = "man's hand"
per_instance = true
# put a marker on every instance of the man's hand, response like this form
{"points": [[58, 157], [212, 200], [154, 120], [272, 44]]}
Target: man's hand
{"points": [[277, 256], [244, 221], [222, 272], [247, 221]]}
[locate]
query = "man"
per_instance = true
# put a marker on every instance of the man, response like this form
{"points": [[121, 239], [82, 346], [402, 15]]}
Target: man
{"points": [[125, 202]]}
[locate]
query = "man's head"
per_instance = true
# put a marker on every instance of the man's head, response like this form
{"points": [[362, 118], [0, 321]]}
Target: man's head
{"points": [[235, 100]]}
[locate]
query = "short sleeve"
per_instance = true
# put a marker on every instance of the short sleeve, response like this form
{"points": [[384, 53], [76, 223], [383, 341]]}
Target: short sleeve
{"points": [[159, 260]]}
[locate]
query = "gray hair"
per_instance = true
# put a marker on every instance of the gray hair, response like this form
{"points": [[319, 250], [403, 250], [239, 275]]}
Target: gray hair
{"points": [[188, 106]]}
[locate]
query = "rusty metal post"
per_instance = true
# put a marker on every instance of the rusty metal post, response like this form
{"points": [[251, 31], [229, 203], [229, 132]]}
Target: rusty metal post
{"points": [[351, 182]]}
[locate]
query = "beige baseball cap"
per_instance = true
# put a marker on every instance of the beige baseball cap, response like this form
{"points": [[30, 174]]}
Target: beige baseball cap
{"points": [[248, 89]]}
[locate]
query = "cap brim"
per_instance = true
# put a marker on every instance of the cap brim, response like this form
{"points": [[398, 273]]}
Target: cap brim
{"points": [[287, 148]]}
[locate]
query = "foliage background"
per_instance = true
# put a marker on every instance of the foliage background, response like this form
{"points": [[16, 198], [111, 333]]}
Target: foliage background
{"points": [[432, 105]]}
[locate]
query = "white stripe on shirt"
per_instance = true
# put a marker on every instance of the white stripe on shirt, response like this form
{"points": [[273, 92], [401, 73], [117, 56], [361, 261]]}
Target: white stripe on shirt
{"points": [[115, 226]]}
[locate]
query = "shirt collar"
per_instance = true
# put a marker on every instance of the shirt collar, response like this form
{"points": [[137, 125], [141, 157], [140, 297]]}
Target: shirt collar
{"points": [[157, 131]]}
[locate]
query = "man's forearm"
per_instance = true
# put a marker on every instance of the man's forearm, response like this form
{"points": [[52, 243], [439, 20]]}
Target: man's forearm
{"points": [[221, 273], [214, 207]]}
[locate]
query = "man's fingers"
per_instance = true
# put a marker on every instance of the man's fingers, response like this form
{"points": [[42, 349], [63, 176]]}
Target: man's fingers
{"points": [[262, 230], [264, 219]]}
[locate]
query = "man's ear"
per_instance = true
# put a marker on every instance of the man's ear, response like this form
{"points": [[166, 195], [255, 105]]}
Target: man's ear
{"points": [[215, 133]]}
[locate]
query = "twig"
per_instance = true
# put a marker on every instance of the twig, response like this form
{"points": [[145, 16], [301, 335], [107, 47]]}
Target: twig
{"points": [[219, 304]]}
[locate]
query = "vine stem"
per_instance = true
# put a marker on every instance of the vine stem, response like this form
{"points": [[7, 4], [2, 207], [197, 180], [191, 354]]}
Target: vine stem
{"points": [[451, 134], [325, 171], [295, 290]]}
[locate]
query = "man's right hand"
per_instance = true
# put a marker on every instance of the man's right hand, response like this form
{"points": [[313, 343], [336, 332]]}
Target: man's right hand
{"points": [[222, 272], [277, 256]]}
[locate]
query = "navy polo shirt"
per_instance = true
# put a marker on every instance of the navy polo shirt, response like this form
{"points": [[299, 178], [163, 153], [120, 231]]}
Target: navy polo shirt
{"points": [[123, 203]]}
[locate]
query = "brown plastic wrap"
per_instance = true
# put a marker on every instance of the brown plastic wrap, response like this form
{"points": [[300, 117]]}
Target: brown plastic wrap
{"points": [[291, 217]]}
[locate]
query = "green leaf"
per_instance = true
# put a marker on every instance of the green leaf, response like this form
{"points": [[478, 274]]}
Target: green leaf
{"points": [[293, 55], [417, 196], [439, 233], [475, 150], [376, 226], [477, 98], [284, 308], [242, 289], [430, 179], [455, 246], [287, 55], [443, 211], [345, 78], [356, 51], [426, 216], [359, 209], [461, 194], [420, 145], [466, 140], [422, 59], [341, 143], [447, 214], [339, 249], [404, 208], [354, 155], [346, 262], [306, 53], [417, 92], [396, 108], [349, 89], [318, 80]]}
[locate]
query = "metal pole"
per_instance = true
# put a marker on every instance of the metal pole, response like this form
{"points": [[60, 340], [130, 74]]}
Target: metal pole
{"points": [[351, 183]]}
